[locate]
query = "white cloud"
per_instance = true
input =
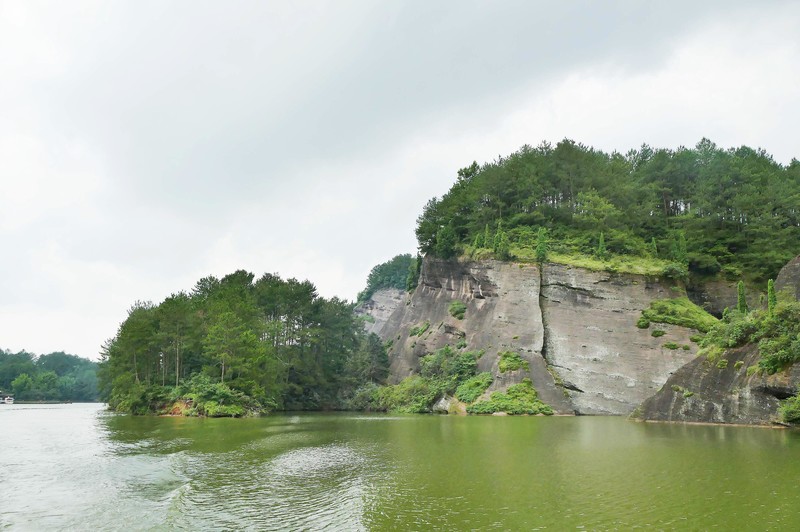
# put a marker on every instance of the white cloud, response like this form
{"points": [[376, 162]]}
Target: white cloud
{"points": [[125, 177]]}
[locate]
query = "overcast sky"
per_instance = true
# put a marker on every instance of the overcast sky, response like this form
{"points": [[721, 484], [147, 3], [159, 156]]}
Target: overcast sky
{"points": [[146, 144]]}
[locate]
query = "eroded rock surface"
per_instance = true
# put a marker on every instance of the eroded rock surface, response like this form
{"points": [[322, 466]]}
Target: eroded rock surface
{"points": [[721, 391], [592, 341], [380, 307], [577, 331], [789, 278]]}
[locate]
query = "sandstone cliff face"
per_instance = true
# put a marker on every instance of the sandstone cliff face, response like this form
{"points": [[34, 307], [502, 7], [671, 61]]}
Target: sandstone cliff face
{"points": [[379, 308], [592, 340], [576, 328], [502, 314], [720, 391], [789, 278]]}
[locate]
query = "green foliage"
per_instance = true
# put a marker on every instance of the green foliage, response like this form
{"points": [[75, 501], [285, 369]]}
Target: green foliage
{"points": [[653, 248], [777, 335], [696, 338], [722, 363], [393, 273], [772, 299], [671, 345], [51, 377], [446, 241], [709, 209], [449, 367], [502, 247], [517, 399], [542, 245], [414, 270], [511, 361], [738, 365], [688, 394], [733, 330], [789, 410], [418, 330], [675, 270], [472, 388], [642, 322], [679, 250], [741, 300], [413, 395], [679, 311], [602, 252], [271, 343], [457, 309], [655, 333]]}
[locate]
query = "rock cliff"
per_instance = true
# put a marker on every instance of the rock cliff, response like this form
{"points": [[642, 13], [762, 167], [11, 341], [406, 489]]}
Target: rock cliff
{"points": [[592, 341], [575, 328], [721, 391]]}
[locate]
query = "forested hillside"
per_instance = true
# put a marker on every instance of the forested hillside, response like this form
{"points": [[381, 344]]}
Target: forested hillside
{"points": [[237, 345], [703, 211], [52, 377]]}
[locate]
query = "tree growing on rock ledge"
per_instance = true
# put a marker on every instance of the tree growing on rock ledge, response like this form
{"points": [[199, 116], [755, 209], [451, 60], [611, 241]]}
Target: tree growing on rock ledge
{"points": [[772, 299], [446, 242], [741, 300], [541, 245]]}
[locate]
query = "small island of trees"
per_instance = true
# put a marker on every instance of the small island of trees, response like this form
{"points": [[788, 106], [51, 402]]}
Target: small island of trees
{"points": [[240, 346]]}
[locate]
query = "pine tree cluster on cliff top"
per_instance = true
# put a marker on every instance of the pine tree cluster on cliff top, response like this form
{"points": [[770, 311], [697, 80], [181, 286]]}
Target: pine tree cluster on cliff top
{"points": [[733, 211]]}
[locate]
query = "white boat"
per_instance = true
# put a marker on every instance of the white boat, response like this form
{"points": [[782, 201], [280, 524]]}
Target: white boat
{"points": [[7, 399]]}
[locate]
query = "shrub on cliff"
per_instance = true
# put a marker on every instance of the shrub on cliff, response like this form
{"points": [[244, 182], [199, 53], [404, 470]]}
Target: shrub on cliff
{"points": [[789, 410], [473, 387], [457, 309], [777, 334], [679, 311], [511, 361], [517, 399]]}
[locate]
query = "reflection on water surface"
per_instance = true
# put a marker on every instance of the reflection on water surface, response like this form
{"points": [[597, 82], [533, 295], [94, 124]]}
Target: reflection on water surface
{"points": [[79, 467]]}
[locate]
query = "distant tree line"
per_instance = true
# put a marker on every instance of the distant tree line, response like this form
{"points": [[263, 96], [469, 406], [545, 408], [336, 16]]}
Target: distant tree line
{"points": [[51, 377], [239, 344], [715, 211]]}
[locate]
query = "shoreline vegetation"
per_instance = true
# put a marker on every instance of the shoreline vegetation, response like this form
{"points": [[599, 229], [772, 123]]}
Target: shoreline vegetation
{"points": [[238, 346]]}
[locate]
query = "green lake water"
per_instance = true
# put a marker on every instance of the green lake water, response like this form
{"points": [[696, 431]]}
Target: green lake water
{"points": [[78, 467]]}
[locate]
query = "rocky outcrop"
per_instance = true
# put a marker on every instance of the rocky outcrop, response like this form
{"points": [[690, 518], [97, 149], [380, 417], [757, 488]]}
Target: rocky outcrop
{"points": [[789, 278], [377, 310], [592, 341], [575, 328], [721, 391], [716, 295], [502, 314]]}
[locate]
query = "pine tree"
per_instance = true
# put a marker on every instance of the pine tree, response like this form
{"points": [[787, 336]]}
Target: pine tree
{"points": [[541, 245], [741, 300], [772, 299], [446, 241], [503, 250], [654, 247], [679, 252], [498, 236], [601, 248], [478, 242], [487, 236]]}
